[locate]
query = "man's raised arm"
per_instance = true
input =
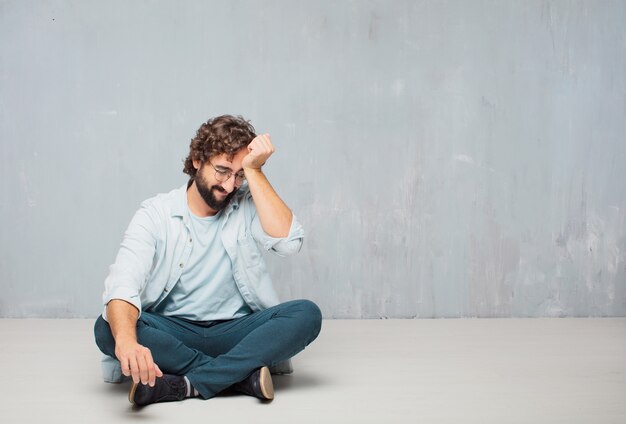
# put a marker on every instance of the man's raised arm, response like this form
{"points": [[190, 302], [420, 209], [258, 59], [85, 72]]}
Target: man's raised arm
{"points": [[274, 215]]}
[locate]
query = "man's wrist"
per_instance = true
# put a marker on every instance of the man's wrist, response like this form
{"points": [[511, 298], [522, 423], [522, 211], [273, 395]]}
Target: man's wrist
{"points": [[125, 339], [252, 171]]}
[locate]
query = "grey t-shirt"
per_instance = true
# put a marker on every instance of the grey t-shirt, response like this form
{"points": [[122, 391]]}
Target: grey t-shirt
{"points": [[206, 290]]}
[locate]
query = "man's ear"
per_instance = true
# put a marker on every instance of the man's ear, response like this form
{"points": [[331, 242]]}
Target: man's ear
{"points": [[196, 164]]}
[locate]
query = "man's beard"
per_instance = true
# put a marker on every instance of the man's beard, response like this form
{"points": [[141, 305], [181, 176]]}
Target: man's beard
{"points": [[208, 196]]}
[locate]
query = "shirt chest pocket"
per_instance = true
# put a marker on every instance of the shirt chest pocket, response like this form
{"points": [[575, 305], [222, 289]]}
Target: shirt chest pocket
{"points": [[248, 250], [251, 263]]}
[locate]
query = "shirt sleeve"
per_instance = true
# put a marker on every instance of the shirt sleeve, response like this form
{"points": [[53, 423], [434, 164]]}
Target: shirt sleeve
{"points": [[281, 246], [129, 273]]}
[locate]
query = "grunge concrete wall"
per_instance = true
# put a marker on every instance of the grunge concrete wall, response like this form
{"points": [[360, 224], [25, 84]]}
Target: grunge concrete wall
{"points": [[447, 158]]}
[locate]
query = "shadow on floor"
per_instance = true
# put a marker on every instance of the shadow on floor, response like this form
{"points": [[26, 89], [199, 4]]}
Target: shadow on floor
{"points": [[282, 383], [295, 381]]}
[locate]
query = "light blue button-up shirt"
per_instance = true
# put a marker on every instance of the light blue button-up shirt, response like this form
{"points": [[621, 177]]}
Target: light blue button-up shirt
{"points": [[157, 245]]}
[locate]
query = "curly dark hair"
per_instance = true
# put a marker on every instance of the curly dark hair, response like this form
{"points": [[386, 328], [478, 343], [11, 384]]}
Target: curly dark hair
{"points": [[223, 134]]}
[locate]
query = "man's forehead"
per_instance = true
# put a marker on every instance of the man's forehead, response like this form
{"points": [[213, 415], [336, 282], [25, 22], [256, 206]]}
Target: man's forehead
{"points": [[225, 160]]}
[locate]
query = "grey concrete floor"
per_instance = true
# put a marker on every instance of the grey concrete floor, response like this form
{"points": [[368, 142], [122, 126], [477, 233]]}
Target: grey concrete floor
{"points": [[358, 371]]}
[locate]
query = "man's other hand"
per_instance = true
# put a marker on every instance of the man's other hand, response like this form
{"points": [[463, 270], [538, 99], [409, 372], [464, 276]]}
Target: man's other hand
{"points": [[136, 361]]}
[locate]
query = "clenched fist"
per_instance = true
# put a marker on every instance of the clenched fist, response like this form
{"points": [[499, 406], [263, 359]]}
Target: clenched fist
{"points": [[259, 150]]}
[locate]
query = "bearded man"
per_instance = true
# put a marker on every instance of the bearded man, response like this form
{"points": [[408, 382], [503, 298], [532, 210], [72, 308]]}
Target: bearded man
{"points": [[189, 307]]}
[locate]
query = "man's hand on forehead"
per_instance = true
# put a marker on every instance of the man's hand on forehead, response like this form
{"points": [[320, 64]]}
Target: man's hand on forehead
{"points": [[259, 150]]}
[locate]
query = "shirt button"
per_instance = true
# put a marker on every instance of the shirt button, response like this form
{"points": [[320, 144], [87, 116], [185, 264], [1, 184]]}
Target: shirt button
{"points": [[189, 240], [181, 264]]}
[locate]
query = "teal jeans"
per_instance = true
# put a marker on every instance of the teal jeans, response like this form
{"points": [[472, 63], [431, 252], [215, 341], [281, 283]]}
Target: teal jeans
{"points": [[217, 354]]}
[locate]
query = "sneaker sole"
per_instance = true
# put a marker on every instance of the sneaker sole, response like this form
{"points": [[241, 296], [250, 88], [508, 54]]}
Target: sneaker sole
{"points": [[265, 383], [131, 394]]}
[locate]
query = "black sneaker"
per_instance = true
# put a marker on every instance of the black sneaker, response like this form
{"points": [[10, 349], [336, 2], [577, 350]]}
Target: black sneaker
{"points": [[166, 389], [258, 384]]}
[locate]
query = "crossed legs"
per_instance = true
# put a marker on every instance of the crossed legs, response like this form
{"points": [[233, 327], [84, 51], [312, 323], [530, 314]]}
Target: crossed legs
{"points": [[216, 355]]}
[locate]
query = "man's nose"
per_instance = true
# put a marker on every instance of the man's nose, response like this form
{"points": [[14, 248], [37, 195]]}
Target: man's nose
{"points": [[229, 184]]}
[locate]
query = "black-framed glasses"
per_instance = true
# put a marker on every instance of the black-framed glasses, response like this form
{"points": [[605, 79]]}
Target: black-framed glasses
{"points": [[223, 175]]}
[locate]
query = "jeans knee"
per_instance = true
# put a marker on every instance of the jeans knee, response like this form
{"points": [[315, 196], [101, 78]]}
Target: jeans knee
{"points": [[311, 316], [104, 338]]}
